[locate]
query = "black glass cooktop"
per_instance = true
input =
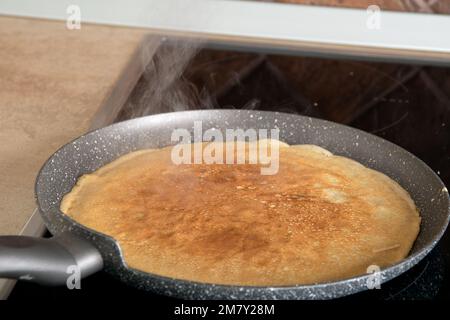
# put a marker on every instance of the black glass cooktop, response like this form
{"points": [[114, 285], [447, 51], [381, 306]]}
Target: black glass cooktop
{"points": [[406, 104]]}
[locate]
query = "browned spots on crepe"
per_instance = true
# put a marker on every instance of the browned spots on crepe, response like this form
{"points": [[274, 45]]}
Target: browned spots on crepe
{"points": [[320, 218]]}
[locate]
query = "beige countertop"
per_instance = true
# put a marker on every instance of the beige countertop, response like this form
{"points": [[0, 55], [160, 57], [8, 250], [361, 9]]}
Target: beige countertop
{"points": [[55, 84]]}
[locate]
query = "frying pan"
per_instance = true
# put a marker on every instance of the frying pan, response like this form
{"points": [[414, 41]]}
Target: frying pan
{"points": [[47, 261]]}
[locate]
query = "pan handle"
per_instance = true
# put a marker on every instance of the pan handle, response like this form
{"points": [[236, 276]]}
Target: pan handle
{"points": [[53, 261]]}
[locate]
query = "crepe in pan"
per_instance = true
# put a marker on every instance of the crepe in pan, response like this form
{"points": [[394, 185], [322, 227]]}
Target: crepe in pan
{"points": [[321, 218]]}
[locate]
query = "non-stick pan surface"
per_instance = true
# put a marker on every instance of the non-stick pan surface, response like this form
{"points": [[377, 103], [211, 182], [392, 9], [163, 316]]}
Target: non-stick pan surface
{"points": [[93, 150]]}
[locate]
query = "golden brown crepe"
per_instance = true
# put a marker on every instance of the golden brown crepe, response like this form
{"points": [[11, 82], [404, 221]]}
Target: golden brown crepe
{"points": [[320, 218]]}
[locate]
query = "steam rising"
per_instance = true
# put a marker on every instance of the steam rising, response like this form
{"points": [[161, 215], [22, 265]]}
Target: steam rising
{"points": [[164, 88]]}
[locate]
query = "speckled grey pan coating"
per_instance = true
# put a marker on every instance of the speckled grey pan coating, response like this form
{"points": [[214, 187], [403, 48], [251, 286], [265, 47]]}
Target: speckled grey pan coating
{"points": [[97, 148]]}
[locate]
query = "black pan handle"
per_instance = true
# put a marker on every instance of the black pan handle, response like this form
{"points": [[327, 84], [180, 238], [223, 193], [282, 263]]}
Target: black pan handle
{"points": [[53, 261]]}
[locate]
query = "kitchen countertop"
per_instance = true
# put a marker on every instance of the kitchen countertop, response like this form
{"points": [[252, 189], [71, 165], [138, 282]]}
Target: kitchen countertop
{"points": [[55, 84]]}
